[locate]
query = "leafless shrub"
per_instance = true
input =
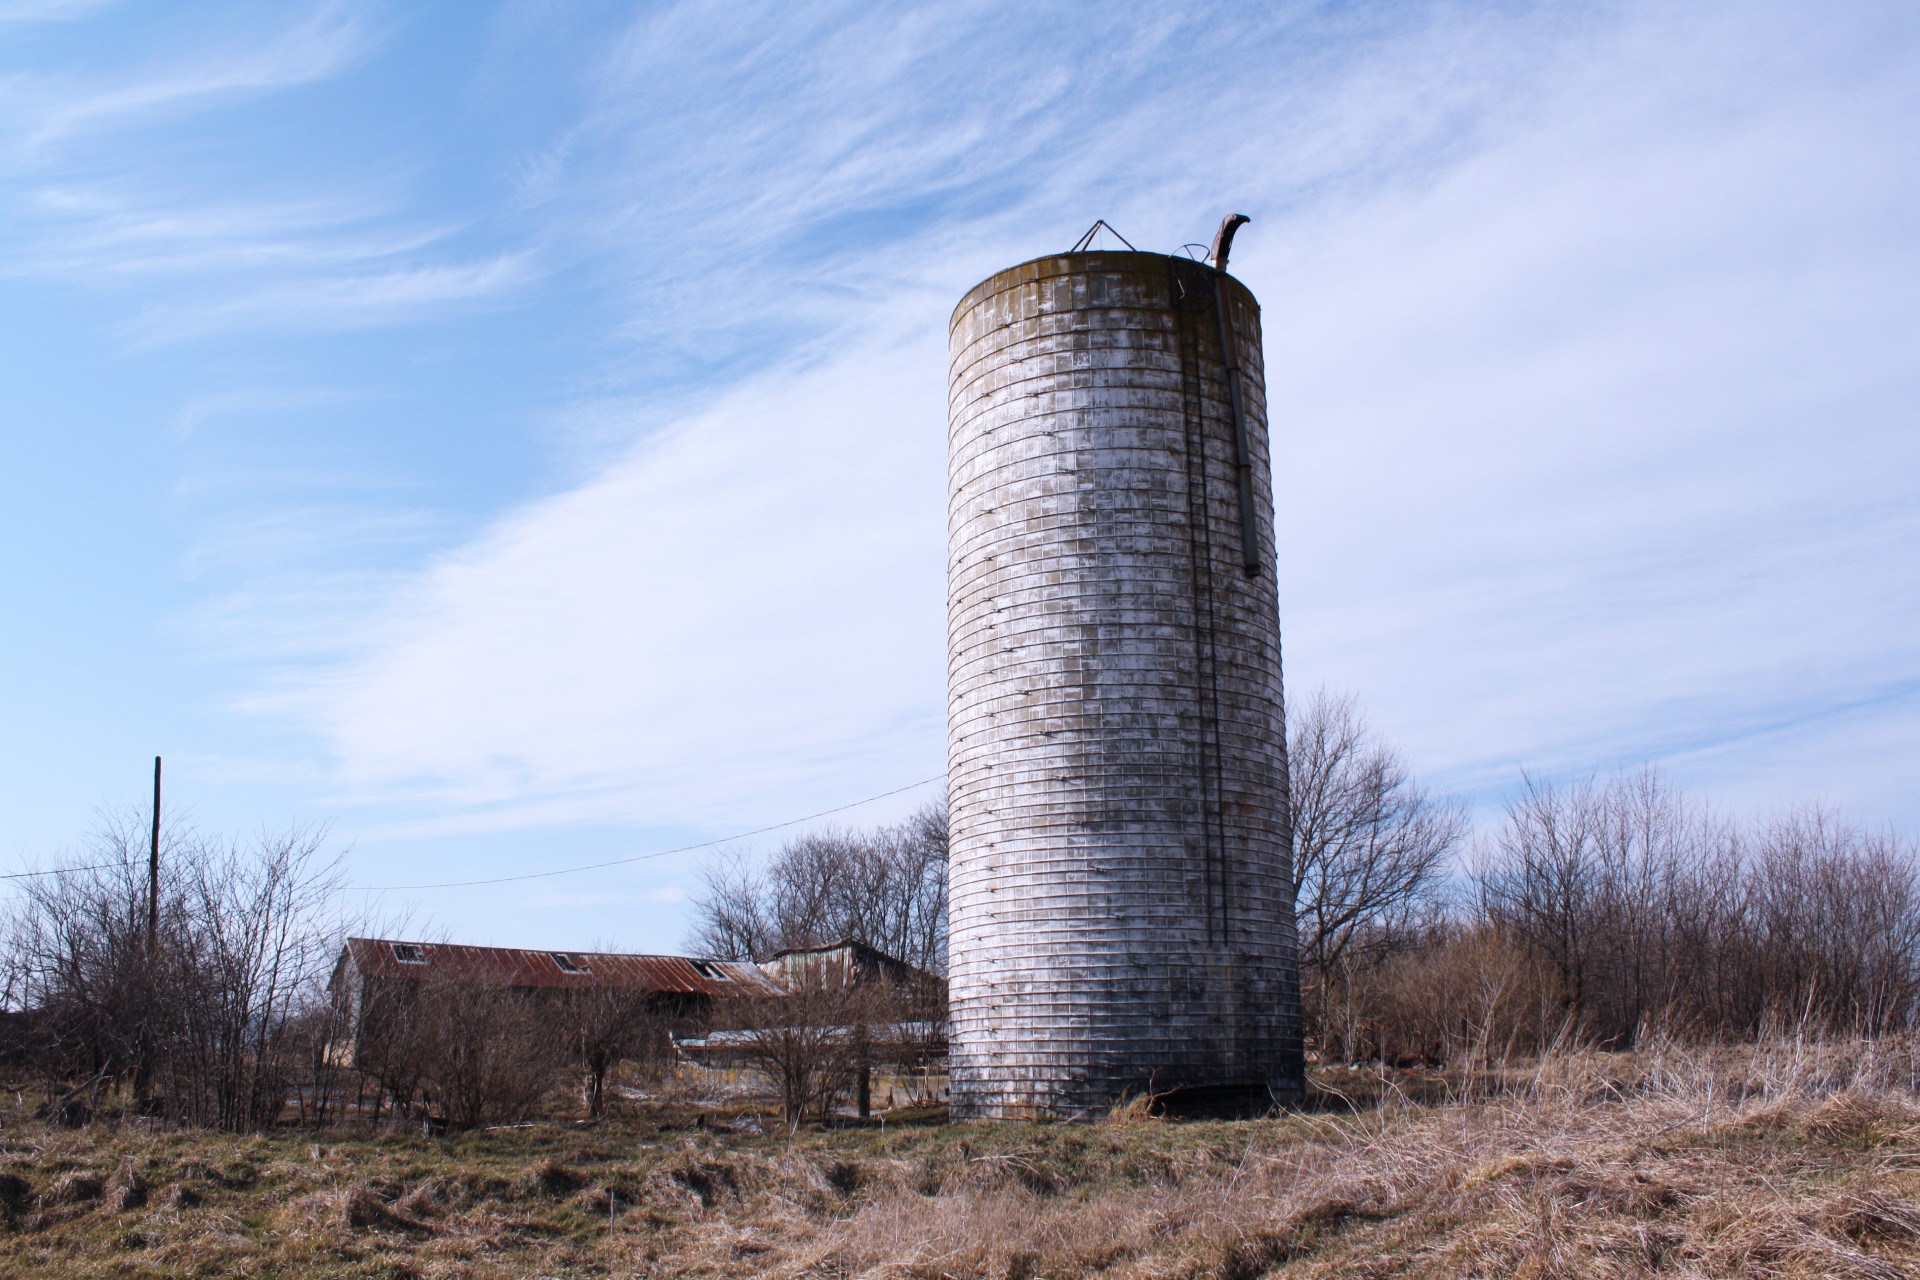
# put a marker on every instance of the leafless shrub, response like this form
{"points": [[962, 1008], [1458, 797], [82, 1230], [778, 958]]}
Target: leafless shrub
{"points": [[198, 1017], [1543, 880], [1836, 921], [1600, 909], [1462, 993], [603, 1026], [1649, 910], [818, 1042], [461, 1054], [489, 1055], [261, 935]]}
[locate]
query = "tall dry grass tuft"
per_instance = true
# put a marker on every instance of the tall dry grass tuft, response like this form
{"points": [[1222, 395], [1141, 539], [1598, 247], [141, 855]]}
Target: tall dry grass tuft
{"points": [[1676, 1161], [1135, 1109]]}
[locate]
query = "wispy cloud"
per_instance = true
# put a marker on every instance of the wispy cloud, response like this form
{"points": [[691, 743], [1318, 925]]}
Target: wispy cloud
{"points": [[1588, 344], [50, 10], [247, 401], [340, 301], [1604, 428], [325, 41], [317, 266], [735, 634], [120, 235], [102, 200], [1550, 300]]}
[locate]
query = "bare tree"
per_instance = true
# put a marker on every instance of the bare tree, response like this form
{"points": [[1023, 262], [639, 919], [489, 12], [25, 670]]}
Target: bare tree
{"points": [[79, 966], [731, 911], [1544, 878], [915, 918], [1711, 945], [313, 1039], [1370, 847], [886, 888]]}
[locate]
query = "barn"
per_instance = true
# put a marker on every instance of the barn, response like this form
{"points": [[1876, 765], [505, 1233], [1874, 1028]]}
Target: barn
{"points": [[375, 976], [378, 974]]}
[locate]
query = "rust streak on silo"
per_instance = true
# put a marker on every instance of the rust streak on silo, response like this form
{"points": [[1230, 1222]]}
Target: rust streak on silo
{"points": [[1122, 914]]}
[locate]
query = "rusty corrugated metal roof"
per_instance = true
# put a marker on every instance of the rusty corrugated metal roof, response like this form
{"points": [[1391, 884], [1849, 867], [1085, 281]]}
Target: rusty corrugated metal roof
{"points": [[583, 970]]}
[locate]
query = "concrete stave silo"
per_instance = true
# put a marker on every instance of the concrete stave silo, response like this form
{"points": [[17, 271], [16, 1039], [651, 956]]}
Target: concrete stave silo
{"points": [[1122, 913]]}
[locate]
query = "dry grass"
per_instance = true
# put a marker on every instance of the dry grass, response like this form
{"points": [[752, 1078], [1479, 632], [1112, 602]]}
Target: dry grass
{"points": [[1799, 1160]]}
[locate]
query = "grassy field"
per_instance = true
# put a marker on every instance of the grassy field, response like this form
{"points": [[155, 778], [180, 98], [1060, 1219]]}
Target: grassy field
{"points": [[1791, 1161]]}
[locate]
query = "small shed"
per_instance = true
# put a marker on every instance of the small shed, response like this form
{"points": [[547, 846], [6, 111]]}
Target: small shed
{"points": [[848, 962]]}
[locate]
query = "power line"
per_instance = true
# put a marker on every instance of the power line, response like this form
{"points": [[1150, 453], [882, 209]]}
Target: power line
{"points": [[643, 857], [65, 871], [536, 875]]}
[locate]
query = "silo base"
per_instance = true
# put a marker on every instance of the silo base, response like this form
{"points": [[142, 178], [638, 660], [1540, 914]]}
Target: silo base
{"points": [[1234, 1100]]}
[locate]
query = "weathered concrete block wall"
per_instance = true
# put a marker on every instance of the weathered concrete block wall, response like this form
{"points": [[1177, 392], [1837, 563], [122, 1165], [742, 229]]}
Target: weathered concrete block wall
{"points": [[1121, 904]]}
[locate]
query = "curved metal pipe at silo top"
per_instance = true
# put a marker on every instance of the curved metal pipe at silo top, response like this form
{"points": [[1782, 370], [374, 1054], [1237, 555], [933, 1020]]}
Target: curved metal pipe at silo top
{"points": [[1122, 900]]}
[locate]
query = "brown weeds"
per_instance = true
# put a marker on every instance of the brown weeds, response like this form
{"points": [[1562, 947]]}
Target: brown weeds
{"points": [[1793, 1161]]}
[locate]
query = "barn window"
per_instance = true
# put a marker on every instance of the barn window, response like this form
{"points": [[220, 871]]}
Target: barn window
{"points": [[570, 964], [408, 953]]}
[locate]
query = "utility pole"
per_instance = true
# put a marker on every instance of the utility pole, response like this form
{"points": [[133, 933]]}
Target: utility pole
{"points": [[143, 1066], [153, 872]]}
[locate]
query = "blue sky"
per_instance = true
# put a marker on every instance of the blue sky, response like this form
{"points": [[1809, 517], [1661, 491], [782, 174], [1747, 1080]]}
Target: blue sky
{"points": [[514, 433]]}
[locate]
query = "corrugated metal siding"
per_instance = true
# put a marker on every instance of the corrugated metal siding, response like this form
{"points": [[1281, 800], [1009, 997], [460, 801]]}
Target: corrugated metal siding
{"points": [[515, 967], [1122, 913]]}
